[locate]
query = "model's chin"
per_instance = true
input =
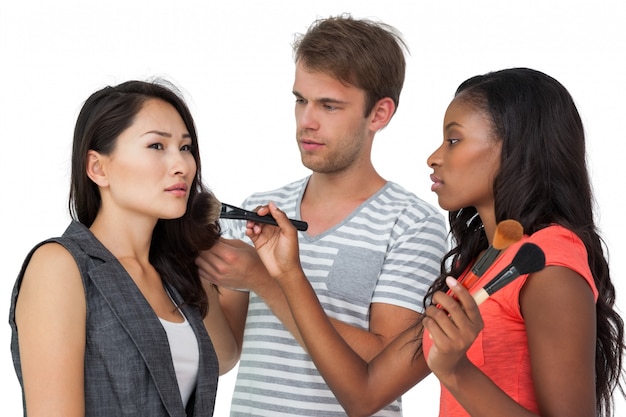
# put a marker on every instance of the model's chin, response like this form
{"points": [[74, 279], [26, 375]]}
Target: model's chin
{"points": [[174, 214], [446, 204]]}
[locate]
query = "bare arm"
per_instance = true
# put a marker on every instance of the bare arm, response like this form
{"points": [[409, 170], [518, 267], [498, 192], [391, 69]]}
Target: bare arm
{"points": [[222, 335], [235, 264], [51, 316], [559, 311]]}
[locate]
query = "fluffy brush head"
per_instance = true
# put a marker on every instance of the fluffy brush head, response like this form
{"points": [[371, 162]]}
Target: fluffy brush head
{"points": [[529, 258], [206, 209], [203, 226], [507, 233]]}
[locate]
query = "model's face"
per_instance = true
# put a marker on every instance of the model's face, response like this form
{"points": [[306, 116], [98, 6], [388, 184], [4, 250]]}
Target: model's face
{"points": [[151, 169], [332, 130], [465, 165]]}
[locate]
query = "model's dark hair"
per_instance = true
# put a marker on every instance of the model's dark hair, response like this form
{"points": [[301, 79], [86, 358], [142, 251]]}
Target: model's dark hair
{"points": [[542, 180], [359, 52], [176, 242]]}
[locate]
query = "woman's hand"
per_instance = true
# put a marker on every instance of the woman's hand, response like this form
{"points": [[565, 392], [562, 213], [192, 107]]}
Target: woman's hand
{"points": [[453, 328], [277, 246]]}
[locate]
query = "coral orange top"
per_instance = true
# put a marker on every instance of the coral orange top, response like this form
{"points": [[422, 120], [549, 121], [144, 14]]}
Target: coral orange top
{"points": [[501, 348]]}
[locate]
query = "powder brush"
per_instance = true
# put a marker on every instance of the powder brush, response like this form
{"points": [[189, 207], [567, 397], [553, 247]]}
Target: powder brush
{"points": [[528, 259]]}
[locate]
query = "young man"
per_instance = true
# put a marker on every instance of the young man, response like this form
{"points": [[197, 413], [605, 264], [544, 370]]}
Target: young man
{"points": [[372, 248]]}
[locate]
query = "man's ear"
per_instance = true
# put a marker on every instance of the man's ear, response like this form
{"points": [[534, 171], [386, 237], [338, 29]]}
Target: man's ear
{"points": [[381, 114], [95, 168]]}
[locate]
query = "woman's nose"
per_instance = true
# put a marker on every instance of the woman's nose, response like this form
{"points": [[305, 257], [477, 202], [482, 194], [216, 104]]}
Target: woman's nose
{"points": [[434, 159]]}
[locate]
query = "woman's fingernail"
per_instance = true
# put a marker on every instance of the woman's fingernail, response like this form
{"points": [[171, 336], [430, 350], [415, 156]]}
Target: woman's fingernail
{"points": [[451, 282]]}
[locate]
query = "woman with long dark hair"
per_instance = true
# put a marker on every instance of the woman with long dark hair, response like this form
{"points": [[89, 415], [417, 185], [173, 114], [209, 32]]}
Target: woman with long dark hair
{"points": [[112, 318], [549, 343]]}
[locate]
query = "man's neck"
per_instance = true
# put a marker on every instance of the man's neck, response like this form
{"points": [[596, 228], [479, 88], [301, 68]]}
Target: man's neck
{"points": [[328, 199], [347, 187]]}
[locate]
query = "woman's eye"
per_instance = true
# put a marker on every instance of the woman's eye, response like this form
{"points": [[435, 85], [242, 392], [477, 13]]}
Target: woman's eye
{"points": [[186, 148], [453, 141], [158, 146]]}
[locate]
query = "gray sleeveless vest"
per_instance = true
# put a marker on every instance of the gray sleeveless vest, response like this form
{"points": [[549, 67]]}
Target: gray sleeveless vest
{"points": [[128, 364]]}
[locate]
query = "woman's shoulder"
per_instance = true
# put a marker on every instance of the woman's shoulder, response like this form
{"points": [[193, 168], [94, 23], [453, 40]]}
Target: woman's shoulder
{"points": [[560, 242], [52, 259], [563, 247]]}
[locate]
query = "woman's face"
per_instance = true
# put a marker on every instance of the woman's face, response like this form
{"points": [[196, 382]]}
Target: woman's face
{"points": [[151, 169], [465, 165]]}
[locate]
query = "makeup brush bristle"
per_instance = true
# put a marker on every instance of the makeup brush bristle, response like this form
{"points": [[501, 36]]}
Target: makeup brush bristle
{"points": [[507, 233], [206, 209], [529, 258]]}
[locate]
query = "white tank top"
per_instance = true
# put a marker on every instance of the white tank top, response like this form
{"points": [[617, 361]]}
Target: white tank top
{"points": [[185, 355]]}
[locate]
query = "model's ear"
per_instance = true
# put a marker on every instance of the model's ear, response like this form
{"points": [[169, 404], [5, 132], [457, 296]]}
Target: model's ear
{"points": [[95, 168], [382, 113]]}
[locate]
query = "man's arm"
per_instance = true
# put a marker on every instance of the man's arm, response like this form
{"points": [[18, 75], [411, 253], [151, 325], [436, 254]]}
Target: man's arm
{"points": [[235, 264]]}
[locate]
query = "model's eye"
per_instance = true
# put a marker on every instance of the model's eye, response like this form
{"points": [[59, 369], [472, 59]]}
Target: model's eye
{"points": [[186, 148], [158, 146], [452, 141], [329, 107]]}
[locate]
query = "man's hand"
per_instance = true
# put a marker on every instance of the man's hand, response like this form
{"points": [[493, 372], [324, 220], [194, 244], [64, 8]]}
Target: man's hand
{"points": [[232, 263], [276, 246]]}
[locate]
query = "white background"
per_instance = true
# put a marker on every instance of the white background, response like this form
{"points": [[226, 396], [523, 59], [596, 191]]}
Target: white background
{"points": [[233, 60]]}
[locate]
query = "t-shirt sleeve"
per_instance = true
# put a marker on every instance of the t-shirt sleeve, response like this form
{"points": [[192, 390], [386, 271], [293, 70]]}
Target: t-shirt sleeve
{"points": [[563, 247]]}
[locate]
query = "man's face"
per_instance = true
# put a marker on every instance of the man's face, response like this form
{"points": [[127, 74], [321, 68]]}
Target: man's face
{"points": [[331, 128]]}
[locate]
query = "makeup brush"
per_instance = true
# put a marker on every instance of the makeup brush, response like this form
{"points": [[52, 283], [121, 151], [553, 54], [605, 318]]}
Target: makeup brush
{"points": [[233, 212], [528, 259], [507, 233]]}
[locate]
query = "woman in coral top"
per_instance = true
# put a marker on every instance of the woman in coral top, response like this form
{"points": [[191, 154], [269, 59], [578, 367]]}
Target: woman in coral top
{"points": [[550, 343]]}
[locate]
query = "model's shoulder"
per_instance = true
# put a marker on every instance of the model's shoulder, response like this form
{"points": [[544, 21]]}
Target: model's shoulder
{"points": [[51, 250], [562, 247], [51, 259], [558, 236]]}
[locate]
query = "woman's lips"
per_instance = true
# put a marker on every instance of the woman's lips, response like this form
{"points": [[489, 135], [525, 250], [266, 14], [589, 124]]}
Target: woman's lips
{"points": [[437, 183], [179, 190]]}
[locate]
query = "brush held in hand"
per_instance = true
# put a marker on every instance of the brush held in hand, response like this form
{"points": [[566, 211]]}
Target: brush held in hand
{"points": [[232, 212], [528, 259], [507, 233]]}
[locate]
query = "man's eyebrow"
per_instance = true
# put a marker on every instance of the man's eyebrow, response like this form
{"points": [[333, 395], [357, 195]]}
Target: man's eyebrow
{"points": [[327, 100], [324, 100]]}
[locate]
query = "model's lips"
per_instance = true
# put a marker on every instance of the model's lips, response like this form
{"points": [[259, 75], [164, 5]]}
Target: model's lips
{"points": [[179, 189], [437, 183]]}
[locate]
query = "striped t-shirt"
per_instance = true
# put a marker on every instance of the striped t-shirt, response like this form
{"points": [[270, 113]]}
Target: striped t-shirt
{"points": [[387, 251]]}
